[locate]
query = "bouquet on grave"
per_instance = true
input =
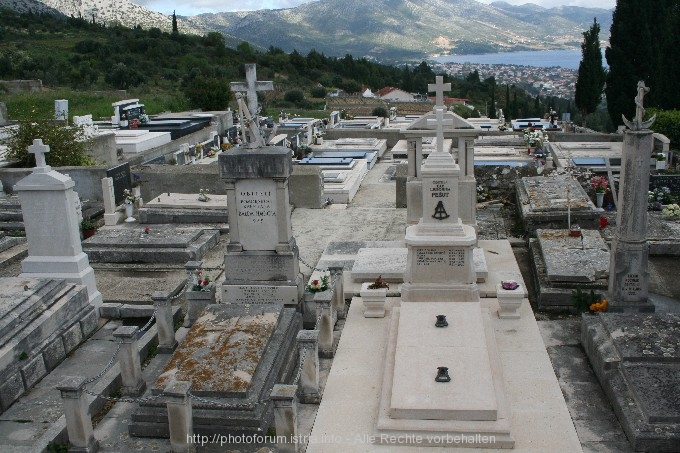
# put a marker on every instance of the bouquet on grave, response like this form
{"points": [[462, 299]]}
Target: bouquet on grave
{"points": [[200, 281], [128, 198], [318, 285], [600, 184]]}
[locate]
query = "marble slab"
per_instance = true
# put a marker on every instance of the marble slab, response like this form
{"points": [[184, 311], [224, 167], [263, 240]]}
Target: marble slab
{"points": [[574, 259]]}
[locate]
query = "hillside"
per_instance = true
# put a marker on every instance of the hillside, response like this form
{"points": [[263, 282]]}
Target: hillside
{"points": [[385, 30]]}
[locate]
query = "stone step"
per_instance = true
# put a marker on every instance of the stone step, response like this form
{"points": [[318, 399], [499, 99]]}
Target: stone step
{"points": [[39, 296], [7, 215]]}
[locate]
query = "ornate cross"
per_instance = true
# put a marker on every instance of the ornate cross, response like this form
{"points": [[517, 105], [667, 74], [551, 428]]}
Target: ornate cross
{"points": [[39, 149], [440, 122], [251, 86], [638, 123], [439, 87]]}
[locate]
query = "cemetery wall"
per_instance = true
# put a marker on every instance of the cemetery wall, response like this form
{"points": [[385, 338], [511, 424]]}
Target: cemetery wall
{"points": [[22, 86], [158, 179], [87, 179], [391, 135], [594, 137], [305, 187], [103, 149]]}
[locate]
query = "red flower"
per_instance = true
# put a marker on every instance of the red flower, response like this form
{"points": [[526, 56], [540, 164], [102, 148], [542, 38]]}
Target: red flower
{"points": [[315, 282], [147, 229], [206, 282], [200, 282]]}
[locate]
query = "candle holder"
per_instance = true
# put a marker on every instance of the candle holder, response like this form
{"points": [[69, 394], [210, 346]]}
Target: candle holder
{"points": [[441, 321], [443, 374]]}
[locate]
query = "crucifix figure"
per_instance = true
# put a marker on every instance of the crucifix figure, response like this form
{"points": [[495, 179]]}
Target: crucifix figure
{"points": [[439, 87], [39, 149], [251, 86], [638, 122], [440, 122]]}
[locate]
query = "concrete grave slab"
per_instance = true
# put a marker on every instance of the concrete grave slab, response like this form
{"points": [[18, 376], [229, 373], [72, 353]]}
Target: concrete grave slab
{"points": [[636, 359], [185, 208], [572, 259], [163, 244]]}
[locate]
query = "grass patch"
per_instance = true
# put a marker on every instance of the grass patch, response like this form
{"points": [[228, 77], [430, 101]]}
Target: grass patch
{"points": [[108, 405]]}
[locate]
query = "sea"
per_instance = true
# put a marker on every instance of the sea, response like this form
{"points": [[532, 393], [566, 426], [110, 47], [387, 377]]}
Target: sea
{"points": [[569, 59]]}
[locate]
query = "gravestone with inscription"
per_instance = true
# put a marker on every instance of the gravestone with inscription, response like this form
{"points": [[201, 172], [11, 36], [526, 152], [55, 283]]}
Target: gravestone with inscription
{"points": [[261, 260], [628, 266], [120, 175], [439, 263]]}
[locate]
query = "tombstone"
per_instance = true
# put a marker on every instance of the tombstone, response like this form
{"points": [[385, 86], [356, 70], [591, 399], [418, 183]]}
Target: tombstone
{"points": [[3, 114], [261, 260], [118, 109], [121, 179], [52, 228], [61, 109], [628, 268]]}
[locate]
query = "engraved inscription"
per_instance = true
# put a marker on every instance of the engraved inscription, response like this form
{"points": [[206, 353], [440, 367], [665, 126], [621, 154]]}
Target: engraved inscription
{"points": [[427, 257], [439, 189], [256, 205], [631, 285], [456, 257], [258, 295]]}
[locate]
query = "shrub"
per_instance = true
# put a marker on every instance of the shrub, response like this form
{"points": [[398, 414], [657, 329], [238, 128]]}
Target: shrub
{"points": [[380, 111], [318, 92], [67, 144], [294, 96]]}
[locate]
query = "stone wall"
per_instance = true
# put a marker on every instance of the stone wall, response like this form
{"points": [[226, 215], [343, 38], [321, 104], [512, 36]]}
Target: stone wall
{"points": [[305, 187], [87, 179], [22, 86]]}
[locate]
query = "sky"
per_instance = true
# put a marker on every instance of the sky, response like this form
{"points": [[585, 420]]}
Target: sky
{"points": [[193, 7]]}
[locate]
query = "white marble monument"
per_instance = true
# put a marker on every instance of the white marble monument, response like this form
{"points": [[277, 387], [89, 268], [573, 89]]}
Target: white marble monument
{"points": [[52, 227]]}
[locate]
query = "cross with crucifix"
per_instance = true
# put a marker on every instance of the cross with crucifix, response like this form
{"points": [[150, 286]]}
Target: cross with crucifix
{"points": [[440, 122], [251, 86], [439, 87], [39, 149]]}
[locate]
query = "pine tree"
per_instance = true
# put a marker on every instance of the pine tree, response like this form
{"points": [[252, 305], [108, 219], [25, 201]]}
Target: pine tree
{"points": [[174, 22], [508, 115], [591, 74], [492, 108]]}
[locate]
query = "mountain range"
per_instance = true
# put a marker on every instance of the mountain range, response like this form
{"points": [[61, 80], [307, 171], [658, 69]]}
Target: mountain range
{"points": [[384, 30]]}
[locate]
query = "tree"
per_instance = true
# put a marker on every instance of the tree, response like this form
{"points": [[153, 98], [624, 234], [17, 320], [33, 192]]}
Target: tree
{"points": [[491, 83], [380, 111], [208, 93], [174, 22], [591, 74]]}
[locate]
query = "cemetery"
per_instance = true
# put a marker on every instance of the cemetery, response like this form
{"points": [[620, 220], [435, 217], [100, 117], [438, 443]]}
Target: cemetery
{"points": [[371, 295]]}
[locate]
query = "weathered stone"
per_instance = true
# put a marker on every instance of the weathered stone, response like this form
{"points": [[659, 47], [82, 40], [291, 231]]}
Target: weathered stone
{"points": [[33, 371], [574, 259], [72, 337]]}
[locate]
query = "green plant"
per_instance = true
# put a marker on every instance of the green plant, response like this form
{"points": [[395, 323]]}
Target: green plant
{"points": [[57, 448], [23, 355], [380, 111], [88, 224], [319, 285], [67, 144], [17, 233], [172, 161]]}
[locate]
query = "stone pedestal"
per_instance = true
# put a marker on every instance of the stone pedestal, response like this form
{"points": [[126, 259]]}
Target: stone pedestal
{"points": [[509, 301], [374, 301], [327, 318], [180, 421], [440, 248], [628, 268], [285, 417], [78, 422], [308, 348], [164, 322], [196, 303], [52, 227], [130, 366]]}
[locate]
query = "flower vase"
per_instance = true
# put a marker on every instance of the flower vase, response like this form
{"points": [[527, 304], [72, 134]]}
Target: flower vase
{"points": [[193, 159], [137, 191], [599, 198], [129, 208]]}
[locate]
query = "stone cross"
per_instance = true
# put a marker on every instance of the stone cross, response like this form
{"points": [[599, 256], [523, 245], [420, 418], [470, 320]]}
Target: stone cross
{"points": [[251, 86], [440, 122], [39, 149], [439, 87]]}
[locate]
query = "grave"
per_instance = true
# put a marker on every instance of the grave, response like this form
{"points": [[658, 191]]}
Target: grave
{"points": [[418, 397], [185, 208], [663, 234], [636, 360], [545, 202], [369, 157], [562, 263], [233, 355], [353, 145], [163, 244], [597, 156], [325, 163], [177, 127], [121, 180], [133, 141], [42, 320]]}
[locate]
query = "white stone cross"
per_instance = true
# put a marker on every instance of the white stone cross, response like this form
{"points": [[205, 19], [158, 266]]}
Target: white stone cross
{"points": [[440, 122], [39, 149], [251, 86], [439, 87]]}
